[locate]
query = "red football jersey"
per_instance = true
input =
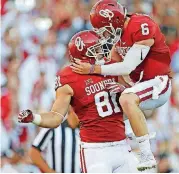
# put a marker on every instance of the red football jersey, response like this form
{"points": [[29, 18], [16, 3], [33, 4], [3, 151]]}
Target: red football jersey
{"points": [[100, 116], [157, 62]]}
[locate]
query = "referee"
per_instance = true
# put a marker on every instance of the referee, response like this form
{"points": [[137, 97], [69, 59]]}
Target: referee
{"points": [[59, 147]]}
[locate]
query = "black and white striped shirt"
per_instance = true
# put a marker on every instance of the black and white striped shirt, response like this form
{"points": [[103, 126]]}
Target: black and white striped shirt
{"points": [[62, 148]]}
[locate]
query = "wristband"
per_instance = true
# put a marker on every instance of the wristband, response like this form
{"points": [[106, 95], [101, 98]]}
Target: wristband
{"points": [[37, 119], [92, 69]]}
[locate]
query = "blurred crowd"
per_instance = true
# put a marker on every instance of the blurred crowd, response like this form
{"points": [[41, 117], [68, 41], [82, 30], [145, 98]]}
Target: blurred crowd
{"points": [[34, 38]]}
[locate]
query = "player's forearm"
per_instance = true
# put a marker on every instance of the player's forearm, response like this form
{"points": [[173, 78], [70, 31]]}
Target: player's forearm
{"points": [[57, 114], [38, 160], [115, 69], [50, 120], [53, 118], [134, 57]]}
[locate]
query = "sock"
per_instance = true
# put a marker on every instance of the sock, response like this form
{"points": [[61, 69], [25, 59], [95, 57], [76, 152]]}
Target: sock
{"points": [[144, 143]]}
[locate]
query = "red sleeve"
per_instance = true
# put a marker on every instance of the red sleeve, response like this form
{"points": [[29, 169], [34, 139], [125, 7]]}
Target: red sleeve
{"points": [[143, 30], [65, 76]]}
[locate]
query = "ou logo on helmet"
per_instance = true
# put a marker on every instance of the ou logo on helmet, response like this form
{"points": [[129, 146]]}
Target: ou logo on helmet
{"points": [[79, 43], [106, 13]]}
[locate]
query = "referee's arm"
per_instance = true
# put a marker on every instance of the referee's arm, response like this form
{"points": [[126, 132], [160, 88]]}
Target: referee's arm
{"points": [[38, 160], [40, 143]]}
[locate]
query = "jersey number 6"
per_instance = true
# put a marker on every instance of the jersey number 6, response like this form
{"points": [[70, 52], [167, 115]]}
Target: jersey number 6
{"points": [[106, 104], [145, 29]]}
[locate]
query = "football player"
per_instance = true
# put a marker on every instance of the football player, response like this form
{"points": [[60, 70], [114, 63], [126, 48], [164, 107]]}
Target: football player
{"points": [[102, 131], [144, 60]]}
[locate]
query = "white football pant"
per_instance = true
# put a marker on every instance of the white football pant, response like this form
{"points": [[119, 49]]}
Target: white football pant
{"points": [[110, 157]]}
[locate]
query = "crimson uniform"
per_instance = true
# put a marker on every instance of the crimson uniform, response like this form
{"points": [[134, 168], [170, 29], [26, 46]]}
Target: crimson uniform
{"points": [[102, 130], [154, 72], [157, 62], [150, 80], [100, 116]]}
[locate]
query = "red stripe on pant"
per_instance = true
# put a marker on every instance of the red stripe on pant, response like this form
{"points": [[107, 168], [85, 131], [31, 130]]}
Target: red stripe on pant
{"points": [[85, 170], [144, 91], [165, 90], [150, 96], [146, 98], [82, 159]]}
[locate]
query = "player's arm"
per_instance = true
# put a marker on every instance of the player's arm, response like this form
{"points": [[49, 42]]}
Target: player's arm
{"points": [[38, 160], [135, 56], [115, 56], [57, 114]]}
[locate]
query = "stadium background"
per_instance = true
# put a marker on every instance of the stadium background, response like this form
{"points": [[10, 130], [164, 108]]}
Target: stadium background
{"points": [[34, 38]]}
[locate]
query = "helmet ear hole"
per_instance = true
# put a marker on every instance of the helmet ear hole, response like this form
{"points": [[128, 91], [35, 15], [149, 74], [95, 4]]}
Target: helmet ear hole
{"points": [[117, 19]]}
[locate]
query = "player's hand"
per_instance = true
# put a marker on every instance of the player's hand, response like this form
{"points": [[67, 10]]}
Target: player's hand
{"points": [[25, 116], [115, 87], [81, 67]]}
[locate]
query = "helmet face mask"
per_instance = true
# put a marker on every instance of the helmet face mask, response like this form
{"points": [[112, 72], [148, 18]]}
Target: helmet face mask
{"points": [[100, 52], [108, 33], [89, 47]]}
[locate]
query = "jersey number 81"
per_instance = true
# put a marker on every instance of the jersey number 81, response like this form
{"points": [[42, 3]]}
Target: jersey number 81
{"points": [[106, 103]]}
